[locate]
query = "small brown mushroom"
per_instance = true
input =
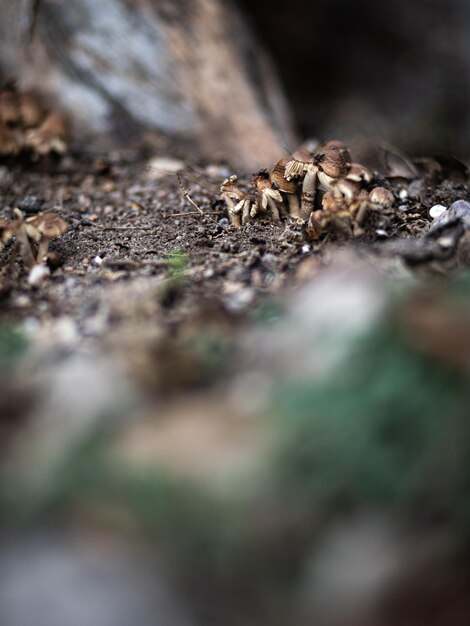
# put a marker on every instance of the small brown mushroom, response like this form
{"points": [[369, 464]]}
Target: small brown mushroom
{"points": [[9, 111], [359, 174], [30, 109], [10, 141], [381, 197], [269, 197], [288, 187], [233, 199], [44, 227], [8, 229], [333, 163], [335, 146], [49, 136]]}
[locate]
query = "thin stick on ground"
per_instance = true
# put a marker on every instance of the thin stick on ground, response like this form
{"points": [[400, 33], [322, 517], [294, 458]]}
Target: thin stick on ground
{"points": [[185, 194]]}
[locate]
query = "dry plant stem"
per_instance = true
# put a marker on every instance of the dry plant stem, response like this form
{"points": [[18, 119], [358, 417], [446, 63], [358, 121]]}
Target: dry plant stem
{"points": [[189, 213], [185, 194], [308, 191]]}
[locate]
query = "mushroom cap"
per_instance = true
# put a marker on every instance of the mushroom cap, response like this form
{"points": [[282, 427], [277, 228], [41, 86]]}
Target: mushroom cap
{"points": [[9, 141], [336, 146], [9, 111], [358, 173], [261, 182], [49, 136], [277, 176], [49, 225], [303, 155], [329, 202], [382, 197], [8, 229], [229, 188], [333, 163], [347, 189], [31, 110]]}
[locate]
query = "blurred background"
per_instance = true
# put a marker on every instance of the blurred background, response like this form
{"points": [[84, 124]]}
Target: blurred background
{"points": [[395, 71], [243, 81]]}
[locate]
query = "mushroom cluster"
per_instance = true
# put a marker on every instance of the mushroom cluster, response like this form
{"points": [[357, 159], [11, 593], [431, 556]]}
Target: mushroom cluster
{"points": [[322, 188], [32, 234], [26, 127]]}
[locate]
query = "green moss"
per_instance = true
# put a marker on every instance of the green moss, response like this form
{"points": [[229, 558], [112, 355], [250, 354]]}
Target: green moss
{"points": [[386, 422], [13, 344]]}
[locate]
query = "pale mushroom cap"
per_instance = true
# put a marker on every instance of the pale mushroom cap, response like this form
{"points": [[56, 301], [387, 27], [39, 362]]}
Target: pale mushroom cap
{"points": [[277, 176], [359, 173], [49, 225], [382, 197], [261, 183], [348, 189], [229, 188], [8, 229]]}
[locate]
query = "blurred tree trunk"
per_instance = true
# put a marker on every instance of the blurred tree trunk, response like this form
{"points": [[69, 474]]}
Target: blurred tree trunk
{"points": [[189, 71]]}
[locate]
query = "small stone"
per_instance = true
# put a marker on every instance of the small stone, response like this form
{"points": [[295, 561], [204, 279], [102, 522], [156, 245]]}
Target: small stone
{"points": [[446, 242], [306, 248], [158, 167], [403, 194], [97, 260], [30, 204], [380, 232], [437, 210], [269, 261], [22, 301], [38, 275], [31, 325]]}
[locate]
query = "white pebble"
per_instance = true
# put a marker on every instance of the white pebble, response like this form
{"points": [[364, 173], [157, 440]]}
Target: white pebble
{"points": [[97, 260], [38, 274], [437, 210], [306, 248], [403, 194]]}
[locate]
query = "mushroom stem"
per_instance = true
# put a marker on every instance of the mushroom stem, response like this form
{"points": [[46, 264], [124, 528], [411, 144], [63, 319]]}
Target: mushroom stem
{"points": [[233, 211], [25, 248], [43, 249], [246, 211], [308, 191], [236, 213], [294, 205], [274, 209]]}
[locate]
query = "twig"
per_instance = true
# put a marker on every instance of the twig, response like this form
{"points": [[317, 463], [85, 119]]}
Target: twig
{"points": [[185, 194], [190, 213]]}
